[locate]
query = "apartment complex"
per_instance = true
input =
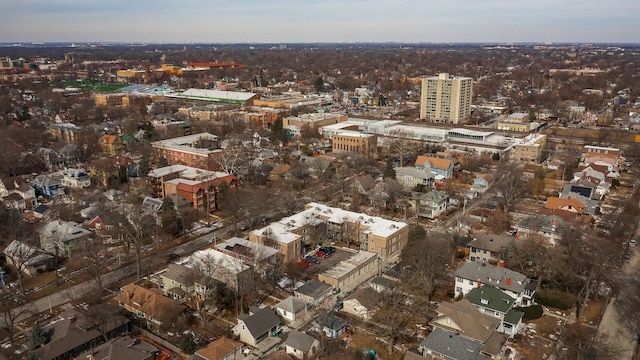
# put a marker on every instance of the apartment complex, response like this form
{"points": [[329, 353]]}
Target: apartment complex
{"points": [[197, 150], [313, 121], [530, 149], [355, 142], [446, 98]]}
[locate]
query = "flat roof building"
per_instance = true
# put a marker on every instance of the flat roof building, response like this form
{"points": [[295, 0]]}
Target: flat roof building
{"points": [[446, 98]]}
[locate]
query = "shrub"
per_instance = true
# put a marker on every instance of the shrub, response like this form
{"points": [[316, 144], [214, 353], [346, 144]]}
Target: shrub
{"points": [[552, 302], [531, 312]]}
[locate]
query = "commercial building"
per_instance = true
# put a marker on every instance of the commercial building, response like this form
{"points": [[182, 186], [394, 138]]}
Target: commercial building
{"points": [[355, 142], [197, 150], [446, 98], [352, 272], [313, 121], [230, 97]]}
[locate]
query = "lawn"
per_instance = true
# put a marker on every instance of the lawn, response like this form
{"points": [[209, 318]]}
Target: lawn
{"points": [[362, 341]]}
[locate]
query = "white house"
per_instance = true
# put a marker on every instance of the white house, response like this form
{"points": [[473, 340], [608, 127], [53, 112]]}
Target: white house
{"points": [[432, 204], [412, 177]]}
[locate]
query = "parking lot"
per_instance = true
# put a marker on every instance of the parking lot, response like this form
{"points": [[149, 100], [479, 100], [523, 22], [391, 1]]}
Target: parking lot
{"points": [[327, 263]]}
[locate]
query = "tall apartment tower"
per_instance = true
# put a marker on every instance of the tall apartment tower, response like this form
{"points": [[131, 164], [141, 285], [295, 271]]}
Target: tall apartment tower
{"points": [[446, 98]]}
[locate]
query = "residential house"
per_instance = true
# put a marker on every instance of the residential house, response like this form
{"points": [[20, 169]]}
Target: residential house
{"points": [[78, 330], [313, 292], [256, 326], [412, 177], [441, 344], [490, 247], [179, 282], [440, 167], [362, 303], [64, 238], [151, 305], [570, 206], [291, 309], [473, 274], [76, 178], [494, 302], [221, 348], [251, 253], [130, 167], [111, 145], [361, 186], [123, 347], [278, 172], [301, 345], [47, 186], [547, 227], [103, 222], [17, 193], [331, 325], [222, 267], [462, 318], [105, 171], [28, 259], [352, 272], [482, 183], [432, 204]]}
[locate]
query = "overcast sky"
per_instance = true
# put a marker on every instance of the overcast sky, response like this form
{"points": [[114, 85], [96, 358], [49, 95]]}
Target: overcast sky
{"points": [[259, 21]]}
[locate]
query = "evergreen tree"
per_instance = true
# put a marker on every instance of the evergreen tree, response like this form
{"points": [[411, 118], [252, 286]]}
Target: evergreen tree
{"points": [[389, 171], [37, 337], [145, 166], [188, 344]]}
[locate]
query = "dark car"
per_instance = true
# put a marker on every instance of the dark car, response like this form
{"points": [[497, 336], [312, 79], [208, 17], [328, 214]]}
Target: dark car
{"points": [[327, 249], [338, 306], [244, 227], [265, 218], [626, 258], [312, 259]]}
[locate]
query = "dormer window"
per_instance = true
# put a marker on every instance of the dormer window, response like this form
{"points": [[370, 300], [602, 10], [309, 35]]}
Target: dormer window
{"points": [[484, 301]]}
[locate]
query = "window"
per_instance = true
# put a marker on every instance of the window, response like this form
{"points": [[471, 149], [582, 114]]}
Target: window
{"points": [[458, 289]]}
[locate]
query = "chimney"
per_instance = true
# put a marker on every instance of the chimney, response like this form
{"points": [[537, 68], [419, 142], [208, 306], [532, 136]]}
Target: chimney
{"points": [[517, 236], [478, 283], [501, 263], [508, 281]]}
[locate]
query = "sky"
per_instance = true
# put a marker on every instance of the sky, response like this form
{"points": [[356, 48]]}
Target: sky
{"points": [[309, 21]]}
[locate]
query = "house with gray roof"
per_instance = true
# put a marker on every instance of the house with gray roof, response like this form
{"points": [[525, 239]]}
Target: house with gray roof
{"points": [[28, 259], [412, 177], [300, 345], [490, 247], [257, 325], [313, 292], [447, 345], [496, 303], [547, 227], [124, 347], [291, 308], [432, 204], [473, 274], [462, 318], [63, 237]]}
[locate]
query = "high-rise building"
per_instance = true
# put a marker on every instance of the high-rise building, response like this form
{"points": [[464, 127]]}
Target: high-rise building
{"points": [[446, 98]]}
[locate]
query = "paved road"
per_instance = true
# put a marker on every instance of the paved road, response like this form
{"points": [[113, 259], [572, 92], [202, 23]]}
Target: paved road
{"points": [[610, 329], [80, 290]]}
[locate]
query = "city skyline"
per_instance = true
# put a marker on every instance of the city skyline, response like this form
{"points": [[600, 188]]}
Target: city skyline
{"points": [[331, 21]]}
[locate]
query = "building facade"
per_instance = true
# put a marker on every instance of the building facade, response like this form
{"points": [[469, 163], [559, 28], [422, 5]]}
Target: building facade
{"points": [[355, 142], [198, 151], [446, 98]]}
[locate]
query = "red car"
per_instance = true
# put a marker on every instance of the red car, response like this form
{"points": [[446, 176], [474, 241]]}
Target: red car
{"points": [[304, 263], [321, 254]]}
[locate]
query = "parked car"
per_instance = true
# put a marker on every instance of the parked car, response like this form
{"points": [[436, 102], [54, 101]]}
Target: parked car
{"points": [[338, 306], [304, 263], [626, 258], [313, 259], [265, 218], [244, 227], [632, 242], [327, 249], [336, 291], [320, 254]]}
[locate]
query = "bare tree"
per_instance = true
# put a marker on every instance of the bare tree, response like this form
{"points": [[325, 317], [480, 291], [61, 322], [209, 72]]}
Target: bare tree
{"points": [[20, 254], [425, 261], [394, 315], [12, 314]]}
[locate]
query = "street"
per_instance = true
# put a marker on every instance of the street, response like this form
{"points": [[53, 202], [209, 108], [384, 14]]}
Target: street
{"points": [[78, 291]]}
